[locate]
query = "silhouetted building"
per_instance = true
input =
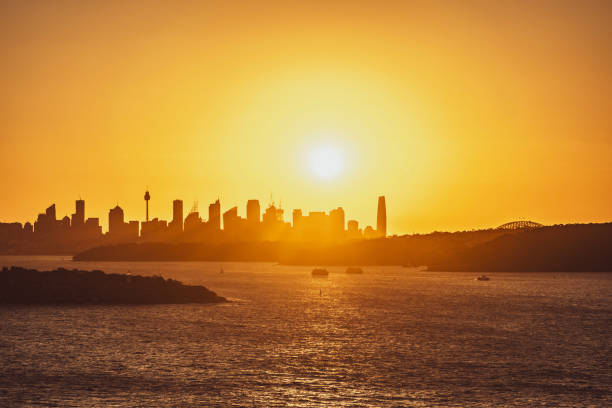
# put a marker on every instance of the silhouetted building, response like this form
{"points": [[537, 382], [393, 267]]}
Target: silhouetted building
{"points": [[46, 223], [118, 229], [133, 229], [318, 226], [273, 224], [93, 225], [370, 233], [177, 216], [65, 223], [229, 218], [336, 218], [154, 230], [10, 232], [313, 227], [50, 212], [234, 226], [273, 214], [115, 220], [253, 212], [352, 230], [78, 218], [297, 218], [381, 217], [214, 215], [193, 222]]}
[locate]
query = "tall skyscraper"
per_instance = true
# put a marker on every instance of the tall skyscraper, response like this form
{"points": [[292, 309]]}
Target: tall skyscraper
{"points": [[177, 214], [231, 219], [297, 218], [336, 218], [115, 220], [381, 217], [253, 212], [50, 212], [78, 218], [214, 215]]}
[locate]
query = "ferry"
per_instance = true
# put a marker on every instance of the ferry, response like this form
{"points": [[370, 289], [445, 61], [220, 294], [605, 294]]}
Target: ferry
{"points": [[320, 272]]}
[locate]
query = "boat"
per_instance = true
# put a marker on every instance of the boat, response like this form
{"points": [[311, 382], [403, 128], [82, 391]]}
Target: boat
{"points": [[354, 270], [320, 272], [483, 278]]}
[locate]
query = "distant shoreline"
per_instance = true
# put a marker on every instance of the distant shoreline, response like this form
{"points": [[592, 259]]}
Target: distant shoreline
{"points": [[564, 248]]}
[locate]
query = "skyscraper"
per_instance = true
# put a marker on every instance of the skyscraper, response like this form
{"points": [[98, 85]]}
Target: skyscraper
{"points": [[177, 214], [336, 218], [253, 212], [297, 218], [78, 218], [115, 221], [231, 219], [381, 217], [50, 212], [193, 221], [214, 215]]}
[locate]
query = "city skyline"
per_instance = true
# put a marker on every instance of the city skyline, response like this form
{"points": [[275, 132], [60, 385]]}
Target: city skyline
{"points": [[177, 206], [220, 225], [378, 226], [330, 108]]}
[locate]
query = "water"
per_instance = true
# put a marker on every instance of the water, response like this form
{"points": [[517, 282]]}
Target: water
{"points": [[392, 337]]}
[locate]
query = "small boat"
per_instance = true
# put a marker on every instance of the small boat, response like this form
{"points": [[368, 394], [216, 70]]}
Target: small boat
{"points": [[354, 270], [320, 272], [483, 278]]}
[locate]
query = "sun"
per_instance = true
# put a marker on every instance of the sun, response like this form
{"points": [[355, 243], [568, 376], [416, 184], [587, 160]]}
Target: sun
{"points": [[326, 162]]}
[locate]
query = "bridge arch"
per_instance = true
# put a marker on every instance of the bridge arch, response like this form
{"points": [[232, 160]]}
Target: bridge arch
{"points": [[514, 225]]}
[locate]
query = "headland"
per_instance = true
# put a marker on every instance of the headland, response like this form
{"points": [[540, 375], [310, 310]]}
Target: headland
{"points": [[558, 248], [62, 286]]}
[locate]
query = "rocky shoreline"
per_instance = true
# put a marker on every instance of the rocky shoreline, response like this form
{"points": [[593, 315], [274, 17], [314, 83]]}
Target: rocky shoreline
{"points": [[62, 286]]}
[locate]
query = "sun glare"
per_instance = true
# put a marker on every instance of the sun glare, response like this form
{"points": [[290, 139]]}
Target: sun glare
{"points": [[326, 162]]}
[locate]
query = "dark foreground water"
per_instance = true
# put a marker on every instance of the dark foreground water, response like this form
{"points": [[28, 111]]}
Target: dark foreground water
{"points": [[392, 337]]}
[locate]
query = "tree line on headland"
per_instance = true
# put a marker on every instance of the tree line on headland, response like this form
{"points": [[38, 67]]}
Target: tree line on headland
{"points": [[574, 247]]}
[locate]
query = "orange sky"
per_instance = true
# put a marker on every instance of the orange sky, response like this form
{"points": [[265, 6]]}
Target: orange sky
{"points": [[464, 114]]}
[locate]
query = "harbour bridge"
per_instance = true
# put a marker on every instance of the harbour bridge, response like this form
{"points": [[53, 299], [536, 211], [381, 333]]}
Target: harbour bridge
{"points": [[514, 225]]}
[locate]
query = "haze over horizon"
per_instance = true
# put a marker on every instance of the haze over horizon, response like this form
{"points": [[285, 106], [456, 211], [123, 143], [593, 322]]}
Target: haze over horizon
{"points": [[463, 115]]}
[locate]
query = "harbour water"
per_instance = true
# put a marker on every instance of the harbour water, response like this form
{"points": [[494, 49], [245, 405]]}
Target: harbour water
{"points": [[390, 337]]}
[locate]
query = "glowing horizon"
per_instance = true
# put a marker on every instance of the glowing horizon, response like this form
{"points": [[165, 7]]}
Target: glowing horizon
{"points": [[462, 115]]}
